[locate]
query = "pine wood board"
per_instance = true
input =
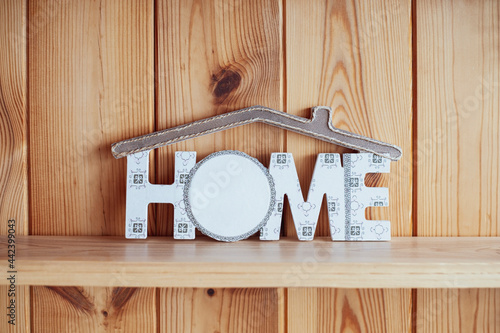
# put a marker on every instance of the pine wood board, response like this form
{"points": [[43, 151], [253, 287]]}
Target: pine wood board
{"points": [[404, 262], [213, 57], [457, 310], [222, 310], [91, 83], [349, 310], [13, 146], [94, 309], [356, 58], [458, 98], [458, 147], [13, 170]]}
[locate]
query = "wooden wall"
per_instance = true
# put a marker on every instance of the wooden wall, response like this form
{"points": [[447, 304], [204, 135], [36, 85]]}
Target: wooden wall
{"points": [[13, 142], [76, 76], [457, 144]]}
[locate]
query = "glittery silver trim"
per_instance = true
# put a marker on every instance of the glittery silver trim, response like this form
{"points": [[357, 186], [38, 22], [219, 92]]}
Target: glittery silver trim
{"points": [[347, 195], [211, 234]]}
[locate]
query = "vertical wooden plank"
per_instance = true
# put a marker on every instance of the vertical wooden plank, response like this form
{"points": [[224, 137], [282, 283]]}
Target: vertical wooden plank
{"points": [[458, 120], [219, 310], [458, 75], [345, 310], [13, 172], [356, 58], [90, 84], [22, 312], [13, 147], [302, 310], [458, 310], [91, 309], [212, 57]]}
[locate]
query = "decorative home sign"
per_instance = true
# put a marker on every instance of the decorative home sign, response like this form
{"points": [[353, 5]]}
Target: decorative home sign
{"points": [[230, 196]]}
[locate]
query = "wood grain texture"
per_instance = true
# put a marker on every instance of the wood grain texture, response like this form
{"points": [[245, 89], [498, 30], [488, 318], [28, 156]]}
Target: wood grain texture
{"points": [[13, 145], [405, 262], [22, 322], [372, 310], [94, 309], [458, 310], [458, 145], [92, 81], [356, 58], [90, 84], [212, 57], [458, 120], [219, 310]]}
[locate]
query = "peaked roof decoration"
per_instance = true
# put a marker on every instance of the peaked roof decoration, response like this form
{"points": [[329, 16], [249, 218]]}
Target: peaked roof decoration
{"points": [[319, 126]]}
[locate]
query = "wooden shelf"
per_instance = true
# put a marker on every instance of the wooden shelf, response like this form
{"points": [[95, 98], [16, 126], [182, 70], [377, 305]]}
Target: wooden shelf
{"points": [[162, 262]]}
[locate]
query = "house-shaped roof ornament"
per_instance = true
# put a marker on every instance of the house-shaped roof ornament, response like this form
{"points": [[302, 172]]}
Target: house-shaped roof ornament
{"points": [[319, 126], [230, 195]]}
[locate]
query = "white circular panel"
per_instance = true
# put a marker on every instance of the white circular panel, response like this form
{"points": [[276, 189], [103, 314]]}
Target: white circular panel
{"points": [[229, 195]]}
